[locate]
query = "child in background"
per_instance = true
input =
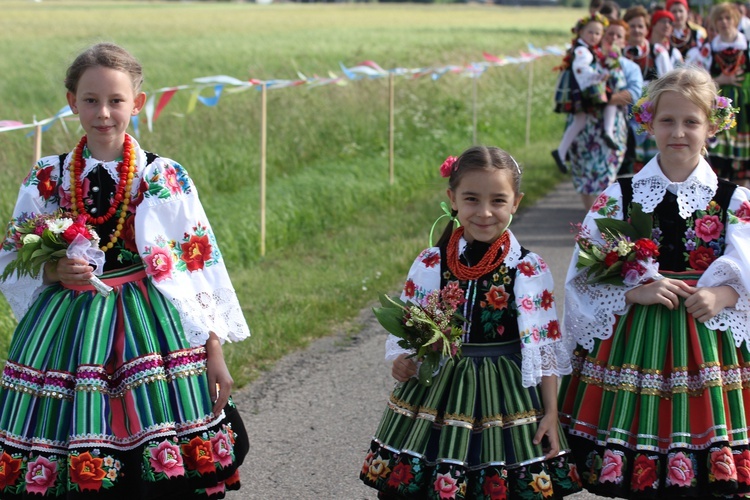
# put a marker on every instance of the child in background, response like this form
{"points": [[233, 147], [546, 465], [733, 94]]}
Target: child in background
{"points": [[657, 402], [488, 424], [124, 396], [582, 86]]}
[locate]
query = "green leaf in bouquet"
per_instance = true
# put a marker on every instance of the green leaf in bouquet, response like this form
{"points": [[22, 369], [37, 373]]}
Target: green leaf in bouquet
{"points": [[41, 252], [387, 301], [427, 368], [615, 228], [642, 222], [390, 318], [58, 254]]}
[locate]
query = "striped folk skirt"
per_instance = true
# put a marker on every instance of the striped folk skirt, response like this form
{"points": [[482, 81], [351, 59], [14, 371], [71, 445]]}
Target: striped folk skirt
{"points": [[467, 436], [103, 397], [658, 409]]}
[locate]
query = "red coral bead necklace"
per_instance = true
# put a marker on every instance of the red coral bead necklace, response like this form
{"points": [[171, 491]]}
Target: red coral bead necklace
{"points": [[126, 169], [489, 262]]}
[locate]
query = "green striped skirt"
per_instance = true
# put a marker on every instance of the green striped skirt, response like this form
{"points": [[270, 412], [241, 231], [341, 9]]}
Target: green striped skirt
{"points": [[104, 397], [467, 436], [658, 409]]}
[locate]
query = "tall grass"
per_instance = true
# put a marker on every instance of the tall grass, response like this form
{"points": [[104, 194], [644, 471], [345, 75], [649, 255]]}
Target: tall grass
{"points": [[335, 225]]}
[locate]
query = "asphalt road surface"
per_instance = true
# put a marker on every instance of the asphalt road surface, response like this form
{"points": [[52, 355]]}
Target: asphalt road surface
{"points": [[311, 418]]}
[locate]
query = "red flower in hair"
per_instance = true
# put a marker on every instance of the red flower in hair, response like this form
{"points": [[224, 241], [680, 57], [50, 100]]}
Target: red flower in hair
{"points": [[446, 169]]}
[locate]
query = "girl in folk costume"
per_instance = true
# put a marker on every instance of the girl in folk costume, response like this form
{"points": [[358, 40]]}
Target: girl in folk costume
{"points": [[487, 426], [124, 395], [582, 86], [729, 63], [685, 34], [657, 403]]}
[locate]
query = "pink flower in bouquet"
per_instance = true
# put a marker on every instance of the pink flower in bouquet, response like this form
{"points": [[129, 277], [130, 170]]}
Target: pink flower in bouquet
{"points": [[708, 227]]}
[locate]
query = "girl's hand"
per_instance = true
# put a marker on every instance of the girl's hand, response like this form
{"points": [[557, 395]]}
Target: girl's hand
{"points": [[70, 271], [220, 382], [548, 427], [404, 368], [707, 302], [666, 292]]}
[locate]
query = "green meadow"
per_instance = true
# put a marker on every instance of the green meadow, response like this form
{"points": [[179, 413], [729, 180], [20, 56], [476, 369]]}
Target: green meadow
{"points": [[338, 232]]}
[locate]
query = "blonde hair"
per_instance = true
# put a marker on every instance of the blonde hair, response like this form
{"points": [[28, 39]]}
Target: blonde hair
{"points": [[724, 8], [691, 82]]}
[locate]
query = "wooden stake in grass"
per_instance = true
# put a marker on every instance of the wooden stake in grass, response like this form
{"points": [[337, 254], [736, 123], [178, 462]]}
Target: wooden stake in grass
{"points": [[474, 79], [263, 141], [391, 126], [528, 103], [37, 143]]}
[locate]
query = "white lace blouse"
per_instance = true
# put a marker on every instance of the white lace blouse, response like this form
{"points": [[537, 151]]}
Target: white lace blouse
{"points": [[540, 356], [591, 310], [169, 215]]}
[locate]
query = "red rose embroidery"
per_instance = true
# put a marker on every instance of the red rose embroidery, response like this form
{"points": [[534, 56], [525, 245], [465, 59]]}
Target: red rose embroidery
{"points": [[401, 475], [742, 462], [722, 465], [644, 473], [10, 470], [196, 252], [680, 470], [497, 297], [701, 258], [46, 186], [495, 487], [199, 455], [87, 472]]}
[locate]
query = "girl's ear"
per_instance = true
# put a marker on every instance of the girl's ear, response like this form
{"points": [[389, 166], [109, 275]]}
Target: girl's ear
{"points": [[452, 197], [71, 97], [713, 128], [138, 103], [516, 203]]}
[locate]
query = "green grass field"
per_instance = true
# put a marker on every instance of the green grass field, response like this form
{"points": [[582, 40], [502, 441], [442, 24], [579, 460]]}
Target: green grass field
{"points": [[338, 232]]}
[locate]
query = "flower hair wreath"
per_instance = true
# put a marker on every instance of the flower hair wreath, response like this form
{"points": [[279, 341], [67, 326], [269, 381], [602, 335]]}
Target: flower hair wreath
{"points": [[721, 115], [597, 17]]}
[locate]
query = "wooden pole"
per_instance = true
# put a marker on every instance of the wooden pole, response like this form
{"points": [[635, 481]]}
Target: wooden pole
{"points": [[37, 143], [474, 118], [391, 127], [528, 103], [263, 143]]}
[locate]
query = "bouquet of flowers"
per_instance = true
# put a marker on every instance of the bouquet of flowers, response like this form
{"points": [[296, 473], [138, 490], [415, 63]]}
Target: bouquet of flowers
{"points": [[49, 237], [627, 255], [431, 328]]}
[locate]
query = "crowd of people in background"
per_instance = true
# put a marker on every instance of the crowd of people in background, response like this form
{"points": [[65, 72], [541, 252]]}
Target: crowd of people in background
{"points": [[636, 46]]}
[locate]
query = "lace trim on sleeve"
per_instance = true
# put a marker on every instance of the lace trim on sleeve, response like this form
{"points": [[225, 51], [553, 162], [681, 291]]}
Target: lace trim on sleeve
{"points": [[737, 318], [217, 311], [392, 349], [591, 311], [545, 360], [22, 293]]}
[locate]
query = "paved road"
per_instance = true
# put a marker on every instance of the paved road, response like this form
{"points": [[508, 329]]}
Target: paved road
{"points": [[311, 418]]}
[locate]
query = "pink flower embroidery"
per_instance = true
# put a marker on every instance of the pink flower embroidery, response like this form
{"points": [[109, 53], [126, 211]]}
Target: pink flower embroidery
{"points": [[527, 304], [166, 458], [708, 227], [172, 182], [680, 470], [445, 486], [722, 465], [41, 475], [222, 448], [743, 213], [611, 468], [159, 264], [600, 203]]}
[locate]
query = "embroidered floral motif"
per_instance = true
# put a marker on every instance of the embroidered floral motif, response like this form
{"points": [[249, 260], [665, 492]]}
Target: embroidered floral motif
{"points": [[445, 486], [644, 473], [743, 213], [612, 465], [532, 303], [164, 461], [742, 463], [401, 475], [378, 469], [10, 472], [430, 258], [680, 470], [605, 205], [167, 181], [704, 236], [159, 263], [195, 252], [542, 483], [198, 456], [495, 486], [41, 475], [721, 466], [87, 471], [409, 288]]}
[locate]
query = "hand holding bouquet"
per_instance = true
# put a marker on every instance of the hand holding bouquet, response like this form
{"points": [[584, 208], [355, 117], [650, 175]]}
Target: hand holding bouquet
{"points": [[46, 238], [431, 328], [627, 256]]}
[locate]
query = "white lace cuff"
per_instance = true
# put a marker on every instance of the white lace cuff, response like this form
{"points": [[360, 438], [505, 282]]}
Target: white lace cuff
{"points": [[392, 349], [22, 293], [217, 311], [542, 361], [591, 310]]}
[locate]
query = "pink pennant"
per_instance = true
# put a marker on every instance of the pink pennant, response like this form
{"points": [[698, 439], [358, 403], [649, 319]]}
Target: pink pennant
{"points": [[373, 65], [491, 58]]}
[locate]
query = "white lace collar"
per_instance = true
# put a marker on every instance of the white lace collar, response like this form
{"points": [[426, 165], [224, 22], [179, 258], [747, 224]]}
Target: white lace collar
{"points": [[650, 184], [739, 43], [514, 254]]}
